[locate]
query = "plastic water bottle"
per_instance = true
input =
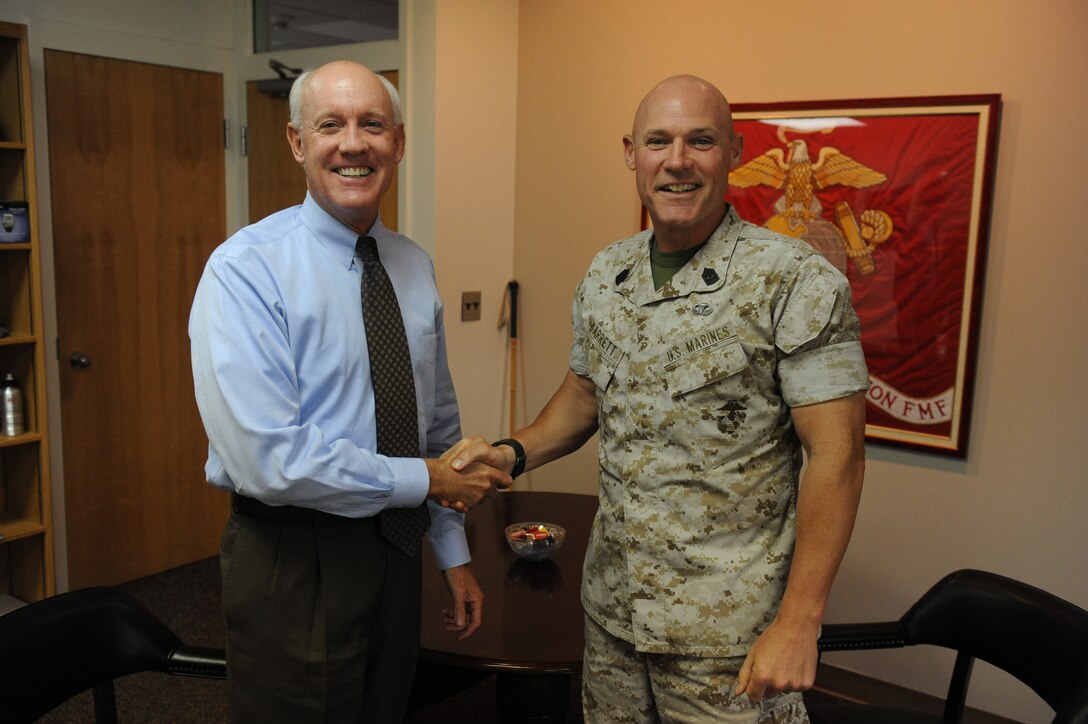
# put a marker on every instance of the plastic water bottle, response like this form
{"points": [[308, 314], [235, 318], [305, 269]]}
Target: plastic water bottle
{"points": [[11, 412]]}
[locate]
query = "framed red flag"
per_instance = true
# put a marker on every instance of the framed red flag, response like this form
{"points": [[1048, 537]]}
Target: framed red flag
{"points": [[896, 193]]}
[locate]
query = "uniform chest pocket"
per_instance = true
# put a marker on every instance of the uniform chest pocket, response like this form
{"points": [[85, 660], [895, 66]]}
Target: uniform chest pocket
{"points": [[709, 386], [710, 364], [602, 359]]}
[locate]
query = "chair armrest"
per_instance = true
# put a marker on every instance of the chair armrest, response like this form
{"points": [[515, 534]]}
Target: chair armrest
{"points": [[207, 663], [861, 636]]}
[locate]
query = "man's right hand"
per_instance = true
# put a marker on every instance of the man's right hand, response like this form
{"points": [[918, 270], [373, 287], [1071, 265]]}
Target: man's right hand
{"points": [[563, 426], [477, 449], [466, 488]]}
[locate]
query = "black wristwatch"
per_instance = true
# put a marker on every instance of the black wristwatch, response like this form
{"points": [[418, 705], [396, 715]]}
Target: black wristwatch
{"points": [[519, 455]]}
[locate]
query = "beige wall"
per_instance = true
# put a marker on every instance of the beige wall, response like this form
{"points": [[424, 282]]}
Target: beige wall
{"points": [[475, 101], [1017, 505]]}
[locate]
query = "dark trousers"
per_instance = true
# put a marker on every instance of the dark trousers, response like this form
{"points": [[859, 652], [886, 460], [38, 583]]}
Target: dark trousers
{"points": [[322, 620]]}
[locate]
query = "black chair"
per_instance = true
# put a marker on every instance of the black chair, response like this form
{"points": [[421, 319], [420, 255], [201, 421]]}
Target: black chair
{"points": [[1035, 636], [53, 649]]}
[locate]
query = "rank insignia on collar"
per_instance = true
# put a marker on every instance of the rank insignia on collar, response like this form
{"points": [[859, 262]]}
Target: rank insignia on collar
{"points": [[701, 309], [622, 276], [709, 275]]}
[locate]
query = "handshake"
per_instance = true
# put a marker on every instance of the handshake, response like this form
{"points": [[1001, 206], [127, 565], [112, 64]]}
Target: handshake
{"points": [[469, 473]]}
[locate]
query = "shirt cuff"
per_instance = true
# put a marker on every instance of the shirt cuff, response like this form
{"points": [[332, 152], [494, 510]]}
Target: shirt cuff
{"points": [[411, 481], [447, 536]]}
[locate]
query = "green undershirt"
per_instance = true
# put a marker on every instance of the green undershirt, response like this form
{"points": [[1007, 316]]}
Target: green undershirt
{"points": [[665, 264]]}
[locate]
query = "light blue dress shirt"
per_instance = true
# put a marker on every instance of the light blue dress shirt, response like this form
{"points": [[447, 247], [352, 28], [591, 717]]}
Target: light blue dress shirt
{"points": [[282, 374]]}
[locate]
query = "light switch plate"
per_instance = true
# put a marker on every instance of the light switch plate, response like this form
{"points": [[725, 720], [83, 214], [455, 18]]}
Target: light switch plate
{"points": [[470, 306]]}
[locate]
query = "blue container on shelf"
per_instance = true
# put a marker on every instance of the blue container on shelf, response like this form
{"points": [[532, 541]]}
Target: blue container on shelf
{"points": [[14, 222]]}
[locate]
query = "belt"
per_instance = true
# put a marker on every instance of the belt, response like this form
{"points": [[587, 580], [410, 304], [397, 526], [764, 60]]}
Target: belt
{"points": [[288, 513]]}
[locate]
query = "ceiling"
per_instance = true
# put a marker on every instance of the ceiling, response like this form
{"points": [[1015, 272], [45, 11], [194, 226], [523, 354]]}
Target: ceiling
{"points": [[288, 24]]}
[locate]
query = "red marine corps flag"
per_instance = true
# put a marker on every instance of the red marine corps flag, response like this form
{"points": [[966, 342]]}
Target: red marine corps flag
{"points": [[896, 199]]}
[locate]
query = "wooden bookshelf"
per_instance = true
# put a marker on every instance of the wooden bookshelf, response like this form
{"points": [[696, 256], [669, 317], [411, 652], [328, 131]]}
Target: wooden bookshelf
{"points": [[26, 526]]}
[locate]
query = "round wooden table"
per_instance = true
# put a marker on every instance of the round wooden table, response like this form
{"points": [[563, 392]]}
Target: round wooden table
{"points": [[532, 632]]}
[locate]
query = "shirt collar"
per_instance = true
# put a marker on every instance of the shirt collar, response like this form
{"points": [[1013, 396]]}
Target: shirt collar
{"points": [[705, 271], [338, 239]]}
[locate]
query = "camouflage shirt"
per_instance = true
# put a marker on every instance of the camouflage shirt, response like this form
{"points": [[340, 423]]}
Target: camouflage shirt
{"points": [[699, 460]]}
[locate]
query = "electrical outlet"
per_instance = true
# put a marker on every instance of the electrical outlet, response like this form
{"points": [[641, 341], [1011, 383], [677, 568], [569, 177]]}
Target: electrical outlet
{"points": [[470, 306]]}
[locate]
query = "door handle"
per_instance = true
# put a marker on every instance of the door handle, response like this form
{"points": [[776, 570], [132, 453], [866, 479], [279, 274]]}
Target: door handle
{"points": [[79, 360]]}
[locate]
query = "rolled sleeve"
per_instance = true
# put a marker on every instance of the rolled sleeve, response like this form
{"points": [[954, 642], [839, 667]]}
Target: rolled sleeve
{"points": [[820, 337], [824, 373], [577, 360]]}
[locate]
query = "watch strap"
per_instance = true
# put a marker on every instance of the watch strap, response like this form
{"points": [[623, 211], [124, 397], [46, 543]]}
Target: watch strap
{"points": [[519, 455]]}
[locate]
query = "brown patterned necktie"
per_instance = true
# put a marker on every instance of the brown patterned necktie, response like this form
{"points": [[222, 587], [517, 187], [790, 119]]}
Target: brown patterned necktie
{"points": [[394, 390]]}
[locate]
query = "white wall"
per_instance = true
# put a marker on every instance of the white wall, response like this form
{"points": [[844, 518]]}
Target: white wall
{"points": [[1018, 504]]}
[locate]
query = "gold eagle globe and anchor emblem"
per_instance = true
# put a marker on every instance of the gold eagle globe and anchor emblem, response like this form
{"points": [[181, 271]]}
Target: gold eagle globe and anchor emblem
{"points": [[799, 213]]}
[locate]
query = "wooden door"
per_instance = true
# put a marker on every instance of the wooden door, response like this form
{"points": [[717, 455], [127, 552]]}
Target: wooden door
{"points": [[275, 180], [137, 168]]}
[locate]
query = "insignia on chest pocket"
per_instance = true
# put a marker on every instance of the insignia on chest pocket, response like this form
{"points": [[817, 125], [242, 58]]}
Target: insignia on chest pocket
{"points": [[701, 309]]}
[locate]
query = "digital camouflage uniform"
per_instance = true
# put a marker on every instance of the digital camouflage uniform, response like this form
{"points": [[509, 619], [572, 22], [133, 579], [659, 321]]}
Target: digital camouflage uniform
{"points": [[699, 460]]}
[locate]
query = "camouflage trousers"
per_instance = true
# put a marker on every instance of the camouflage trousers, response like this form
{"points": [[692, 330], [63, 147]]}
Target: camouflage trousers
{"points": [[620, 684]]}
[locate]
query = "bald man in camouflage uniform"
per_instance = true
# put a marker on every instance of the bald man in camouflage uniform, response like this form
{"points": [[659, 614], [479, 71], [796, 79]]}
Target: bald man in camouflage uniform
{"points": [[708, 352]]}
